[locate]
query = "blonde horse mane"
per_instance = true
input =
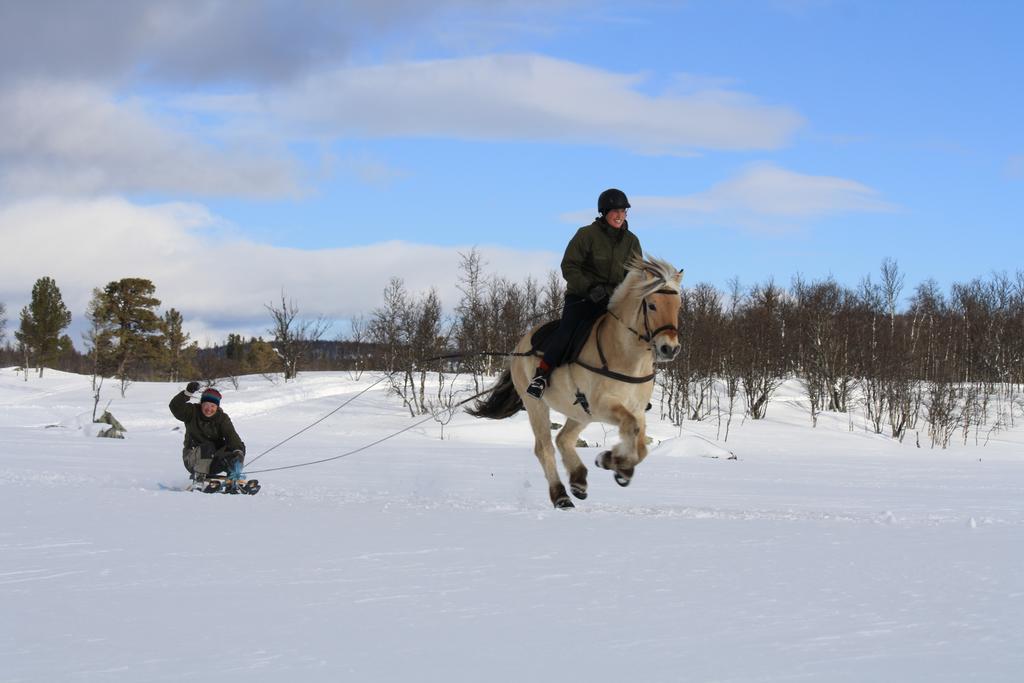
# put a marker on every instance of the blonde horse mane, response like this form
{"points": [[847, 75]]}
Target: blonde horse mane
{"points": [[637, 285]]}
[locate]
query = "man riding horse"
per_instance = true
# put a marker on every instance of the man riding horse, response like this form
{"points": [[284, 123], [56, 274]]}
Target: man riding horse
{"points": [[609, 376], [593, 266]]}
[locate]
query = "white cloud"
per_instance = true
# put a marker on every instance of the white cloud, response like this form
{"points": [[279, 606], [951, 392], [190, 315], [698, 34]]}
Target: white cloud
{"points": [[192, 41], [769, 190], [514, 97], [218, 280], [75, 138], [762, 196], [204, 41]]}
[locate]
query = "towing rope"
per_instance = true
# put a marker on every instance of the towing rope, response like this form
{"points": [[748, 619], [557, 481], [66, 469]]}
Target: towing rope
{"points": [[371, 444], [387, 375], [449, 356], [314, 424]]}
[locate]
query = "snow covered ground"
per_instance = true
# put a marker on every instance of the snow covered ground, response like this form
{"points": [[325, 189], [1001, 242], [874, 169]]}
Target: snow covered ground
{"points": [[824, 554]]}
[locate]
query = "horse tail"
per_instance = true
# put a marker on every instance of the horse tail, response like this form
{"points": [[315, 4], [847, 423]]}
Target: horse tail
{"points": [[501, 401]]}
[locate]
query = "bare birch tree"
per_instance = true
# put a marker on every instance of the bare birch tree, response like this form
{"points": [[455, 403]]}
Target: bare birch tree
{"points": [[293, 337]]}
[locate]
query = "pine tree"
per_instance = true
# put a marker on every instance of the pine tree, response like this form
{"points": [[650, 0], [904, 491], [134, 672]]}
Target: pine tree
{"points": [[235, 347], [261, 357], [234, 354], [178, 353], [130, 330], [42, 323]]}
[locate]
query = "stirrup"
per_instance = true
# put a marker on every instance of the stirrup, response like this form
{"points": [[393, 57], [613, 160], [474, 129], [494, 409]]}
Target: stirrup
{"points": [[537, 386]]}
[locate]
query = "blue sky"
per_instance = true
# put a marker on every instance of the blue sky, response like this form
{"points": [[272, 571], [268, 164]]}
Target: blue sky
{"points": [[323, 148]]}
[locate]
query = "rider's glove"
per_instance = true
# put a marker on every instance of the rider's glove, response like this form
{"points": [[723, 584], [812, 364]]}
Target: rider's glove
{"points": [[598, 294]]}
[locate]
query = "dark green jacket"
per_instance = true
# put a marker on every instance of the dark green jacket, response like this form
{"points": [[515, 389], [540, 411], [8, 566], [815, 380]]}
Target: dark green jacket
{"points": [[200, 429], [597, 255]]}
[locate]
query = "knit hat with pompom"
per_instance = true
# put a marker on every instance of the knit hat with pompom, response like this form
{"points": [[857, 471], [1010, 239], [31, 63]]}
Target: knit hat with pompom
{"points": [[210, 394]]}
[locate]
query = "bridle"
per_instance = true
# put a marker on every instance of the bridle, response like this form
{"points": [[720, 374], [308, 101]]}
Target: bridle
{"points": [[649, 334]]}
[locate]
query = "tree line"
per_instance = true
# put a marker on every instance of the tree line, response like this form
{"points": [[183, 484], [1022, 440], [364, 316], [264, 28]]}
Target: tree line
{"points": [[909, 360], [128, 339], [942, 363]]}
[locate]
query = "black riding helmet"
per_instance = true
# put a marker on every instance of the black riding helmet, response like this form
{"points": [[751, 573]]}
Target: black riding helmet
{"points": [[611, 199]]}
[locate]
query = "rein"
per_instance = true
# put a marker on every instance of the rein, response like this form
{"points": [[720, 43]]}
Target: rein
{"points": [[603, 370], [647, 337]]}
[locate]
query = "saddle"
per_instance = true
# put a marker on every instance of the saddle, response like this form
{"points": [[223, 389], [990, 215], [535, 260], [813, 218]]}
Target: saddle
{"points": [[575, 346], [572, 350]]}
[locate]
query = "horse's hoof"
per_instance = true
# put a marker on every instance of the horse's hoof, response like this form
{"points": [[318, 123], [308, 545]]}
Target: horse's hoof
{"points": [[579, 491], [622, 480], [603, 460], [564, 503]]}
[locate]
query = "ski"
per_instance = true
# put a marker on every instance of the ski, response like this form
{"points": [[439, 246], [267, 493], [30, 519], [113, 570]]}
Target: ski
{"points": [[223, 484]]}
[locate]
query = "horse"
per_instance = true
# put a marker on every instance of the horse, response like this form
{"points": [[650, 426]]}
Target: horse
{"points": [[611, 379]]}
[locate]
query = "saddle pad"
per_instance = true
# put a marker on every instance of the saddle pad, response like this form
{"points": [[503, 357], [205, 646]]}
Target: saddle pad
{"points": [[579, 337]]}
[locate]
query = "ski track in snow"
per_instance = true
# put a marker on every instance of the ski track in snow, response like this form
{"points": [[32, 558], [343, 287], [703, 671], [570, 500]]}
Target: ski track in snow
{"points": [[818, 555]]}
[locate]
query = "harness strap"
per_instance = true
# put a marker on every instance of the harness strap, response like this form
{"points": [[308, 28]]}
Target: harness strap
{"points": [[648, 337], [603, 370], [615, 375], [597, 338]]}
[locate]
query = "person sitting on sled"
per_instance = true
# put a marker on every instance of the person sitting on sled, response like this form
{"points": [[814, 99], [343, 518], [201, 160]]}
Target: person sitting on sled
{"points": [[594, 264], [212, 445]]}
